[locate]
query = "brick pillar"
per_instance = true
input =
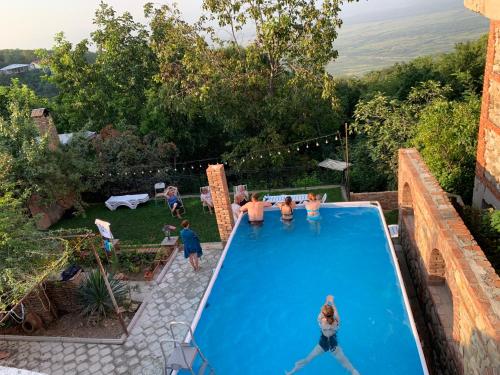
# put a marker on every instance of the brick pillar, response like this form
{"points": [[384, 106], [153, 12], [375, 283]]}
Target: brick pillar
{"points": [[487, 179], [45, 125], [220, 196]]}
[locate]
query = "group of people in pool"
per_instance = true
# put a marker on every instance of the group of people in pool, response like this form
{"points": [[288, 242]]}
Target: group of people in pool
{"points": [[255, 209]]}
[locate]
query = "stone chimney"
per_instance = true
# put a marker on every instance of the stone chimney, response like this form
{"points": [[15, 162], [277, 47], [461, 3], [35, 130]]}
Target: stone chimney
{"points": [[45, 125], [222, 203]]}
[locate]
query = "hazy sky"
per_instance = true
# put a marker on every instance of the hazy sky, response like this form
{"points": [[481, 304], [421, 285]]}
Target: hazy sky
{"points": [[30, 24]]}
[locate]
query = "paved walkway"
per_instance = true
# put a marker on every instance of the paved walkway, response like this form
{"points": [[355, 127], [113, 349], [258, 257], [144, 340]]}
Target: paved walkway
{"points": [[176, 297]]}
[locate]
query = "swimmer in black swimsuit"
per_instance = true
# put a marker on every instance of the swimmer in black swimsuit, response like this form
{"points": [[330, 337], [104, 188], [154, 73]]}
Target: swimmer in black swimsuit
{"points": [[329, 322]]}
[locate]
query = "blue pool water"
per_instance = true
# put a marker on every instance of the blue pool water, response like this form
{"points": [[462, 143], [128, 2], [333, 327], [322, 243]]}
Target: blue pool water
{"points": [[261, 313]]}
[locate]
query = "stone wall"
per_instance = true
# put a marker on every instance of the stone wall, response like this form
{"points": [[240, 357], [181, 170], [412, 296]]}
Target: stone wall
{"points": [[455, 283], [220, 197], [387, 199]]}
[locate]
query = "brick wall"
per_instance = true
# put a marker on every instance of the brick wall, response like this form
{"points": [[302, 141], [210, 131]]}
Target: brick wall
{"points": [[487, 179], [222, 203], [387, 199], [455, 283], [45, 125]]}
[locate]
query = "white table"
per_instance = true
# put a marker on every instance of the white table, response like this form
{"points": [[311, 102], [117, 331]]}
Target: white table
{"points": [[130, 201], [297, 198]]}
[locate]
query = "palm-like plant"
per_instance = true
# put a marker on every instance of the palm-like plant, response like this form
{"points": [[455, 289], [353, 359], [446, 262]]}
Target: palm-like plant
{"points": [[94, 296]]}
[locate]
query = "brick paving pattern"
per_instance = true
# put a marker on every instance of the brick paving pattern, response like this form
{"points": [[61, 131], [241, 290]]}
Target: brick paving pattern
{"points": [[175, 297]]}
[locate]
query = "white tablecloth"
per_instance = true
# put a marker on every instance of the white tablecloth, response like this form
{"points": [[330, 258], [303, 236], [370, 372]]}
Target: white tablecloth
{"points": [[126, 200], [297, 198]]}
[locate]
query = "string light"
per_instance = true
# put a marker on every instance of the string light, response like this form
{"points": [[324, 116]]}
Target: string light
{"points": [[288, 150], [279, 152], [336, 138], [298, 149], [192, 167], [261, 156], [326, 141], [317, 144], [307, 145]]}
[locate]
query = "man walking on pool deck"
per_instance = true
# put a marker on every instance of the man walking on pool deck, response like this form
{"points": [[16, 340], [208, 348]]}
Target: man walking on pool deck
{"points": [[255, 209]]}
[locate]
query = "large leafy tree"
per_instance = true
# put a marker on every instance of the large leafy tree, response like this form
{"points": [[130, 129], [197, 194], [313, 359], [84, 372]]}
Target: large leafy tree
{"points": [[111, 89], [265, 94]]}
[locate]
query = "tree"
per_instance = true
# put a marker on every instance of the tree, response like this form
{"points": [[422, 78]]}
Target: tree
{"points": [[111, 90], [389, 124], [446, 136]]}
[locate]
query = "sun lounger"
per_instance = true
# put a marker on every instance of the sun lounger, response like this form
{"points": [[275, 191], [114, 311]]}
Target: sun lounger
{"points": [[297, 198], [130, 201]]}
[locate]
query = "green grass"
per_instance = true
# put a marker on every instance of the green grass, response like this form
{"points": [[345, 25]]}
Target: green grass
{"points": [[143, 225], [391, 217]]}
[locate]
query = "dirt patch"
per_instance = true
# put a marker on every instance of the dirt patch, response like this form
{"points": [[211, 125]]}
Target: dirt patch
{"points": [[76, 325]]}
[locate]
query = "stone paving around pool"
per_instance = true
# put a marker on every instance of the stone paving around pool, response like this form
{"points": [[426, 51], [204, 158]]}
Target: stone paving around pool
{"points": [[175, 297]]}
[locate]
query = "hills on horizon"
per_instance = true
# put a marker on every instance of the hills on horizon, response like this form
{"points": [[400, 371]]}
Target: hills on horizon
{"points": [[378, 34]]}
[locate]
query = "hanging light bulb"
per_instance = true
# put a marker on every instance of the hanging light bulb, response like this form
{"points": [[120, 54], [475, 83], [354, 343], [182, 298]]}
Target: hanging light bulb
{"points": [[243, 160], [261, 156], [175, 169], [200, 165], [142, 172], [336, 138], [279, 152], [326, 141], [252, 157], [158, 171], [225, 162], [288, 150], [317, 144], [298, 149], [183, 168], [192, 167]]}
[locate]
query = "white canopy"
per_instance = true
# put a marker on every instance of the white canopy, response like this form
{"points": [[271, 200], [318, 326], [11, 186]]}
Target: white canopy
{"points": [[336, 165]]}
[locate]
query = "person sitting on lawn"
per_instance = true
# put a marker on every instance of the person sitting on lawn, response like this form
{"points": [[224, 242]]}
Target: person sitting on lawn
{"points": [[174, 203], [206, 198], [255, 209], [242, 195], [192, 247]]}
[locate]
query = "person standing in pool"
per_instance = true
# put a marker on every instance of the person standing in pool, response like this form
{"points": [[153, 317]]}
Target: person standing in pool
{"points": [[312, 206], [286, 209], [192, 247], [329, 321], [255, 210]]}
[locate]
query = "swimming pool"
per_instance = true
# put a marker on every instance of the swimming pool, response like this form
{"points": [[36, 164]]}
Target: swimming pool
{"points": [[259, 313]]}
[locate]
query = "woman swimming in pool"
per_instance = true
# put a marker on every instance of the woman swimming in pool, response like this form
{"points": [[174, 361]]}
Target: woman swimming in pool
{"points": [[312, 206], [286, 209], [329, 321]]}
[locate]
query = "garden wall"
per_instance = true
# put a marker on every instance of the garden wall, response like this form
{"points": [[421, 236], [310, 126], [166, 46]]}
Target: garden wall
{"points": [[387, 199], [457, 286]]}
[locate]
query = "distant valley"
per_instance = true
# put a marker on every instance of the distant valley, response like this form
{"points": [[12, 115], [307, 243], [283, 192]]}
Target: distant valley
{"points": [[378, 35]]}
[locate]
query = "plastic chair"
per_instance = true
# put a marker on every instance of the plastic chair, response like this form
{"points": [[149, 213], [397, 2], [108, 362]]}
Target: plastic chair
{"points": [[160, 191], [175, 191]]}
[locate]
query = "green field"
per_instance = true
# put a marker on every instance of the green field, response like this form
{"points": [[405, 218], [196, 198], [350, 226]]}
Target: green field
{"points": [[372, 45]]}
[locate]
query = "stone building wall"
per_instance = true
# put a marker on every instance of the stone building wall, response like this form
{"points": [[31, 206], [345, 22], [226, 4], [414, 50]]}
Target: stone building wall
{"points": [[457, 286], [220, 197], [487, 179], [387, 199]]}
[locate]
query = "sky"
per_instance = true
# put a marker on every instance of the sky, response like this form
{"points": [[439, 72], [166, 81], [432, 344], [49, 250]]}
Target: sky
{"points": [[31, 24]]}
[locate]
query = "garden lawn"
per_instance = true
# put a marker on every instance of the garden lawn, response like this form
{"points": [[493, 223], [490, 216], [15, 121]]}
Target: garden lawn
{"points": [[143, 225]]}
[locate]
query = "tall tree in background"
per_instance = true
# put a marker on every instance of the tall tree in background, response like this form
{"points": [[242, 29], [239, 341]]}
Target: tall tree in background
{"points": [[110, 90]]}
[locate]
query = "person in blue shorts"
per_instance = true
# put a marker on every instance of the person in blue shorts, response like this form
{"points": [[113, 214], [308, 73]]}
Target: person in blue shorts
{"points": [[329, 321], [192, 247]]}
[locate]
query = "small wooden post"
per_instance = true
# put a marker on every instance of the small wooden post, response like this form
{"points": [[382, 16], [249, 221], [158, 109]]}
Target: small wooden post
{"points": [[108, 287]]}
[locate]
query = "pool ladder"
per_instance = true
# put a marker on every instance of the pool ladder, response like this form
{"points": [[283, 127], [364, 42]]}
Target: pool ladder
{"points": [[184, 354]]}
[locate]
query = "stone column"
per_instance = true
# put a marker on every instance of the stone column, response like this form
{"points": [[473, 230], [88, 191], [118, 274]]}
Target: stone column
{"points": [[222, 203], [45, 125], [487, 179]]}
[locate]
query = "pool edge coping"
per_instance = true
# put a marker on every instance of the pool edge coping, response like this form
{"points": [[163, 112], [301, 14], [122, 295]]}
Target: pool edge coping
{"points": [[366, 204]]}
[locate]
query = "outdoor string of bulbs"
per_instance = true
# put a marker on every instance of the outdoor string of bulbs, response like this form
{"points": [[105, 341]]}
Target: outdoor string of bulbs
{"points": [[259, 154]]}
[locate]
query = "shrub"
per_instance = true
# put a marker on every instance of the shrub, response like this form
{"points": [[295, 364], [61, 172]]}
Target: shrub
{"points": [[94, 296], [485, 227]]}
